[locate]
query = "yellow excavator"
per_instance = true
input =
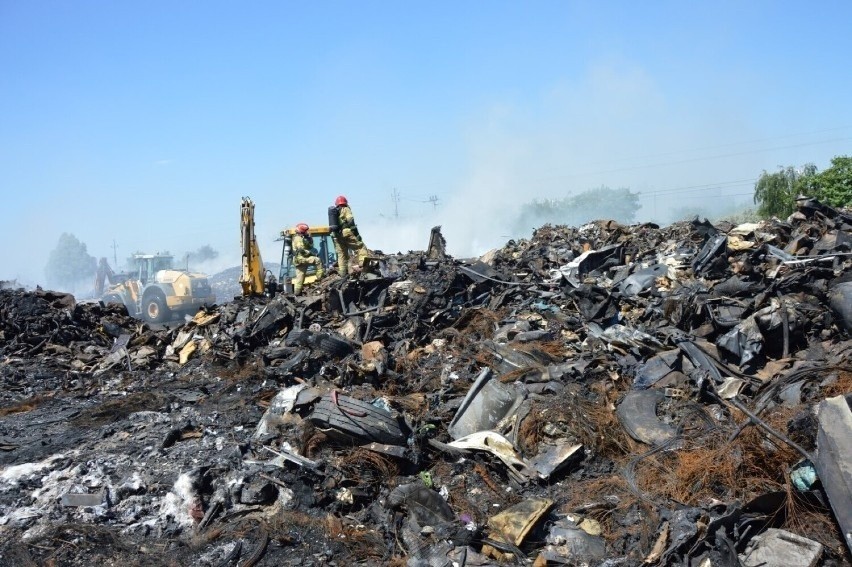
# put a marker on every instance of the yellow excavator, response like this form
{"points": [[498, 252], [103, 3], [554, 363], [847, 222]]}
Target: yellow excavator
{"points": [[155, 291], [323, 247], [257, 280], [254, 279]]}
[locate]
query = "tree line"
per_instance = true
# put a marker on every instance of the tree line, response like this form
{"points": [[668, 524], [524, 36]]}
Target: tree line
{"points": [[70, 264], [775, 193]]}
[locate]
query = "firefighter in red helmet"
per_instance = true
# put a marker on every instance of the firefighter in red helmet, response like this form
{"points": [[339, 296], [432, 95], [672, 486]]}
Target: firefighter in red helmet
{"points": [[303, 256], [347, 240]]}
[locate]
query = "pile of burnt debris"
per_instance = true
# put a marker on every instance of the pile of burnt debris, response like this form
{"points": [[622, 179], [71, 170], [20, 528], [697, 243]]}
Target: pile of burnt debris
{"points": [[602, 395]]}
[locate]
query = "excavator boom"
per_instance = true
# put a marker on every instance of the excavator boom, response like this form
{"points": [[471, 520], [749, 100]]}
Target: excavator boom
{"points": [[251, 279], [105, 274]]}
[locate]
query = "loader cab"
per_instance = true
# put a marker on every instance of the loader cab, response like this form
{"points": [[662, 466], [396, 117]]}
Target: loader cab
{"points": [[323, 247], [147, 265]]}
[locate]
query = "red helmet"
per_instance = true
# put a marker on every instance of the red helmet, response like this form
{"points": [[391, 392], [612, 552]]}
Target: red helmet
{"points": [[341, 201], [302, 228]]}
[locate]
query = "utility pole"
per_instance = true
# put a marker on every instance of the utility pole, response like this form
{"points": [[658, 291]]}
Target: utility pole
{"points": [[114, 254], [434, 200], [395, 197]]}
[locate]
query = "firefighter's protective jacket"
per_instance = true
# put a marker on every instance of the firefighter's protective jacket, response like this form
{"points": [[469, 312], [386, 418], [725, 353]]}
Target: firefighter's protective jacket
{"points": [[346, 220], [303, 246]]}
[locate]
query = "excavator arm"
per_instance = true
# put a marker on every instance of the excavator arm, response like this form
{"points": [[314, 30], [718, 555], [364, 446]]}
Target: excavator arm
{"points": [[105, 274], [252, 277]]}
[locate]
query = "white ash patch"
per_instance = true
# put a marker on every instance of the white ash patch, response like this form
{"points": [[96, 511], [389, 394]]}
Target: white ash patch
{"points": [[180, 503], [12, 475]]}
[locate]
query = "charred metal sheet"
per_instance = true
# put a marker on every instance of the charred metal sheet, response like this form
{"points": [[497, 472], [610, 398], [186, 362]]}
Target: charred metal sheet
{"points": [[701, 360], [643, 279], [840, 299], [713, 248], [292, 457], [481, 272], [656, 368], [424, 504], [778, 253], [594, 303], [726, 313], [283, 402], [487, 403], [509, 358], [555, 458], [358, 297], [745, 341], [834, 459], [500, 447], [623, 336], [569, 544]]}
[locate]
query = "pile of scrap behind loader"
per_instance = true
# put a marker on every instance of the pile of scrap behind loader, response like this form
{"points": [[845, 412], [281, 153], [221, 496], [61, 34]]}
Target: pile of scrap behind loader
{"points": [[595, 395]]}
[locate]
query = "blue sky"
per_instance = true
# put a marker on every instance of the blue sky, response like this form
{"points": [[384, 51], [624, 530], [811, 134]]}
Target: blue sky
{"points": [[145, 122]]}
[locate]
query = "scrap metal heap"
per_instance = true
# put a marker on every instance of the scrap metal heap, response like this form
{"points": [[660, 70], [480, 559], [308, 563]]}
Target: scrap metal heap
{"points": [[601, 395]]}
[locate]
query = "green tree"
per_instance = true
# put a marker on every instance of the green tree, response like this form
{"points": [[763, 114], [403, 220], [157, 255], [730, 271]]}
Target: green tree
{"points": [[69, 263], [833, 186], [601, 203], [605, 203], [775, 193]]}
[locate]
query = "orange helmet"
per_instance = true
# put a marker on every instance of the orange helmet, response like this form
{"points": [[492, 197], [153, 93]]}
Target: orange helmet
{"points": [[302, 228], [341, 201]]}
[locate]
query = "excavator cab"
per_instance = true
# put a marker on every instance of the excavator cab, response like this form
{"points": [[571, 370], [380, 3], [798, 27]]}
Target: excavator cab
{"points": [[323, 247]]}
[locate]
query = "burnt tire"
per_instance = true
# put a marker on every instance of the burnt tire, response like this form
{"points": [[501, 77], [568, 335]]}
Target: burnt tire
{"points": [[154, 309], [297, 337], [331, 345], [354, 419]]}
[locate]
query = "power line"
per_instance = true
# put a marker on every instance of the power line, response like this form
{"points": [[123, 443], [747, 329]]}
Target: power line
{"points": [[730, 144], [692, 160], [700, 158], [697, 188]]}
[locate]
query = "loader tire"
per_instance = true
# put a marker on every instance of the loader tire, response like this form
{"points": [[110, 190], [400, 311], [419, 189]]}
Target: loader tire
{"points": [[354, 419], [111, 298], [155, 310]]}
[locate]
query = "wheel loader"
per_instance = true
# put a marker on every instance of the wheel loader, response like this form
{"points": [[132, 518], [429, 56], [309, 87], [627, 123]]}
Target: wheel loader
{"points": [[155, 291]]}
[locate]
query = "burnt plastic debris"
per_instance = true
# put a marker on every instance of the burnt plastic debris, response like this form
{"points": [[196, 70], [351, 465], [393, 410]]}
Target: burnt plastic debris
{"points": [[603, 395]]}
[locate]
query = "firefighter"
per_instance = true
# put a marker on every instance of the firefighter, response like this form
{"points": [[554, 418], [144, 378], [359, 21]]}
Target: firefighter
{"points": [[346, 237], [303, 256]]}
